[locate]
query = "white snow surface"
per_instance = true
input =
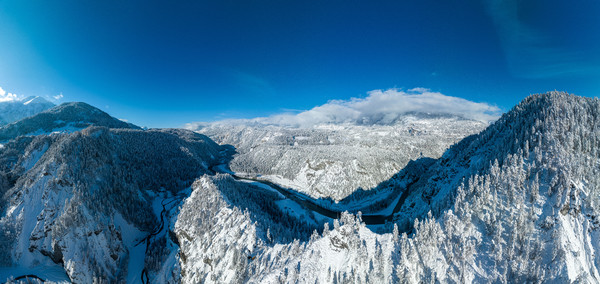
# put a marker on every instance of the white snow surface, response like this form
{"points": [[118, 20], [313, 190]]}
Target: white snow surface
{"points": [[131, 236]]}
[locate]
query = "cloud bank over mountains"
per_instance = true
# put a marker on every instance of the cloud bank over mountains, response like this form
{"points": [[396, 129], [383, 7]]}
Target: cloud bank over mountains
{"points": [[379, 107]]}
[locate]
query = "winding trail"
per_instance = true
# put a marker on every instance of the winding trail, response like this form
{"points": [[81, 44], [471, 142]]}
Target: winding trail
{"points": [[309, 204]]}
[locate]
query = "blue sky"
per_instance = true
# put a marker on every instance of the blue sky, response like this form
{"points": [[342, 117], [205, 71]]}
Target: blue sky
{"points": [[163, 64]]}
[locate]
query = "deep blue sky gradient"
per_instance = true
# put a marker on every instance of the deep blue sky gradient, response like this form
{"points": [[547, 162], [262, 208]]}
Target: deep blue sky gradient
{"points": [[162, 64]]}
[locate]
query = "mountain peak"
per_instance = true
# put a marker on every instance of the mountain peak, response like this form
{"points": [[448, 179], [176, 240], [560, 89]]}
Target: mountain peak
{"points": [[545, 109], [67, 117], [12, 111], [551, 100], [75, 106], [36, 100]]}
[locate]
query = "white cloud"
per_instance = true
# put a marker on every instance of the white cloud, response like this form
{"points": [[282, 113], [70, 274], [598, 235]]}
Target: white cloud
{"points": [[58, 97], [379, 107], [8, 97]]}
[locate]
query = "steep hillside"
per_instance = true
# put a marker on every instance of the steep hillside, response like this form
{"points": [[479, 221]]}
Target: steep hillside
{"points": [[67, 117], [523, 196], [515, 203], [12, 111], [93, 201], [334, 160]]}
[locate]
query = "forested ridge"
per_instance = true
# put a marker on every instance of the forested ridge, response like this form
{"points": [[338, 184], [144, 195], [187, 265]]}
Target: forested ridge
{"points": [[517, 202]]}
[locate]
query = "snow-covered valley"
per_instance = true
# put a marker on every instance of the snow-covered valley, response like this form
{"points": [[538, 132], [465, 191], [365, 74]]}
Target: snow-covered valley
{"points": [[445, 199], [334, 160]]}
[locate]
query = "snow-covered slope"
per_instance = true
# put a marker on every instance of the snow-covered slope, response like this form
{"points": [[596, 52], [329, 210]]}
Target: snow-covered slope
{"points": [[227, 236], [11, 111], [67, 117], [516, 203], [334, 160], [85, 200]]}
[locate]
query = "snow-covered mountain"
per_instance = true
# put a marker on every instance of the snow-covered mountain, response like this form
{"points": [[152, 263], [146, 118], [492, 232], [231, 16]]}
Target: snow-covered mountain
{"points": [[90, 203], [67, 117], [334, 160], [516, 202], [14, 110]]}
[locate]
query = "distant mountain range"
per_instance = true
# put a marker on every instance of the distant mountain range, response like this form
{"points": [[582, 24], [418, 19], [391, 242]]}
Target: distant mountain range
{"points": [[333, 160], [12, 111], [88, 198]]}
